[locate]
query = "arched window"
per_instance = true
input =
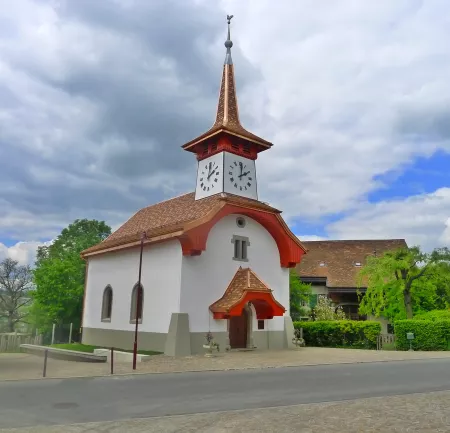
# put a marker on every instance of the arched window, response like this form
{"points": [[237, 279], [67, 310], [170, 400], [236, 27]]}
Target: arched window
{"points": [[134, 303], [107, 304]]}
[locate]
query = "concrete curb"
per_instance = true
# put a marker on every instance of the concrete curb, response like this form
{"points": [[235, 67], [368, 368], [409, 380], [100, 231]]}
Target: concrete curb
{"points": [[62, 354], [220, 369]]}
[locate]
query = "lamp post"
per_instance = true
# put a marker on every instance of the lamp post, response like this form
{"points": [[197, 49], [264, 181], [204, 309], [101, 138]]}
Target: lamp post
{"points": [[138, 302]]}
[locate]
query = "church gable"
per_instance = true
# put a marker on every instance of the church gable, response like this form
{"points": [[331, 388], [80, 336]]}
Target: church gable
{"points": [[190, 221]]}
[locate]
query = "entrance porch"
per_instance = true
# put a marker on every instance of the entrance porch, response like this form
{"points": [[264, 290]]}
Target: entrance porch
{"points": [[254, 317]]}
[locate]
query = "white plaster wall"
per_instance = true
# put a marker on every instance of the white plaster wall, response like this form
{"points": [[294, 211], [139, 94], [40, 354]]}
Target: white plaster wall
{"points": [[383, 321], [161, 279], [206, 277]]}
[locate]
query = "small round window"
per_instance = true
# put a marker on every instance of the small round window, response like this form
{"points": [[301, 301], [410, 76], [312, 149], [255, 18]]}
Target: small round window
{"points": [[240, 222]]}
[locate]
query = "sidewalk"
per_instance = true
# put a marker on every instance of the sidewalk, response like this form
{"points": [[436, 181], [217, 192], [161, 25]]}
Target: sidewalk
{"points": [[20, 366], [424, 413]]}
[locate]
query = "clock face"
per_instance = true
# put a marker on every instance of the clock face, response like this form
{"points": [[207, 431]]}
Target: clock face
{"points": [[241, 175], [209, 176]]}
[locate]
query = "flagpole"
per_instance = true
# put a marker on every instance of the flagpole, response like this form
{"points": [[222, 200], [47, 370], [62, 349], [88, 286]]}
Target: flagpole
{"points": [[138, 301]]}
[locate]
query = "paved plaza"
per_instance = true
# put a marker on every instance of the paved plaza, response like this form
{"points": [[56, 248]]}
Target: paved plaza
{"points": [[20, 366], [424, 413]]}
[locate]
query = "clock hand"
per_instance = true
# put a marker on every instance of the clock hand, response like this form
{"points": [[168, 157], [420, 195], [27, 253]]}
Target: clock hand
{"points": [[243, 174], [240, 165], [209, 175]]}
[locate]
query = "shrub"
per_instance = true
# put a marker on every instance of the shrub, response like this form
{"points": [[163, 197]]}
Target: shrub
{"points": [[341, 333], [428, 334], [325, 310], [434, 315]]}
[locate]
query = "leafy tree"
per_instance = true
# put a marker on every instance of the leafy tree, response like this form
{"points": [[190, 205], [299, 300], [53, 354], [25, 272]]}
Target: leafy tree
{"points": [[15, 284], [299, 293], [326, 311], [60, 272], [405, 281]]}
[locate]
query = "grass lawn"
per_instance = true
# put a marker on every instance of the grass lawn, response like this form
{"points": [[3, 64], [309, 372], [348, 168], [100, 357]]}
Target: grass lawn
{"points": [[388, 346], [90, 349]]}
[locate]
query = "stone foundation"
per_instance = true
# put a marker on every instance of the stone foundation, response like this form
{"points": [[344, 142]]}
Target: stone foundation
{"points": [[179, 341]]}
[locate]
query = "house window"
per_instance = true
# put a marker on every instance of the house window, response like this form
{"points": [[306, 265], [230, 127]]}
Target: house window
{"points": [[260, 324], [241, 245], [135, 302], [107, 304]]}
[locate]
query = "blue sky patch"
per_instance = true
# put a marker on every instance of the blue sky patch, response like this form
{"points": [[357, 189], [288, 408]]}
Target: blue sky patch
{"points": [[425, 175]]}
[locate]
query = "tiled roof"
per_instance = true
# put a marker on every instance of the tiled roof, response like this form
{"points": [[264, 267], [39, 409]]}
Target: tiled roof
{"points": [[340, 259], [245, 280], [227, 118], [171, 216]]}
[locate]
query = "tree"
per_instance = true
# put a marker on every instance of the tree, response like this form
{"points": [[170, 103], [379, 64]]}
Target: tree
{"points": [[405, 281], [299, 294], [325, 310], [15, 284], [60, 271]]}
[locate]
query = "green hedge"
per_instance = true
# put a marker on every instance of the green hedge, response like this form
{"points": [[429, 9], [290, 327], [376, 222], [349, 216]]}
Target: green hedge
{"points": [[341, 333], [428, 334]]}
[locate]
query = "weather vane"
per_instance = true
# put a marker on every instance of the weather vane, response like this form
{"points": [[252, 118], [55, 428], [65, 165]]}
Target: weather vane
{"points": [[228, 43]]}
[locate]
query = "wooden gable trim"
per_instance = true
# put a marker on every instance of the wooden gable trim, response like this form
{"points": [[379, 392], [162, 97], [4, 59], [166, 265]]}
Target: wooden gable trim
{"points": [[194, 239]]}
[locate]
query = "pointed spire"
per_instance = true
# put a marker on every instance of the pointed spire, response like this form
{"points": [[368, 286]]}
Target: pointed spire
{"points": [[227, 110], [227, 117], [228, 44]]}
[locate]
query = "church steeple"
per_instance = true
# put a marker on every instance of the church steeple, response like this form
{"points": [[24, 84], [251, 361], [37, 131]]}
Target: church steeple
{"points": [[227, 109], [227, 133]]}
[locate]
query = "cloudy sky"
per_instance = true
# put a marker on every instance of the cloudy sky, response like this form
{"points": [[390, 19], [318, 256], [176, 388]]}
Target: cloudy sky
{"points": [[96, 98]]}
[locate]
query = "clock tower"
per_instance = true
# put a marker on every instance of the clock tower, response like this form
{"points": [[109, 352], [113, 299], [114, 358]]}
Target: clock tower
{"points": [[227, 152]]}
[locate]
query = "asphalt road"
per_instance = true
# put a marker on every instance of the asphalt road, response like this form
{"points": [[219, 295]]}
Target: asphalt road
{"points": [[66, 401]]}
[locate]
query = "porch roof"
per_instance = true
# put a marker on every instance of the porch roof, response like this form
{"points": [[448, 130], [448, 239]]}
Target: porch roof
{"points": [[246, 287]]}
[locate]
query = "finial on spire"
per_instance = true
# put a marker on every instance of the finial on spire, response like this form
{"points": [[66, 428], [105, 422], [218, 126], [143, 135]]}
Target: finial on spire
{"points": [[228, 43]]}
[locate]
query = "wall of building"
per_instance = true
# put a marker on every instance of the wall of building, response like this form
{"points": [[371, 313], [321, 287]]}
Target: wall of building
{"points": [[383, 322], [206, 277], [319, 290], [161, 280]]}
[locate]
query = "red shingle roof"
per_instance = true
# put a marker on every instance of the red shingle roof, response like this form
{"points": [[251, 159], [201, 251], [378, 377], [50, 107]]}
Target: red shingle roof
{"points": [[171, 216], [244, 287], [244, 280], [339, 258]]}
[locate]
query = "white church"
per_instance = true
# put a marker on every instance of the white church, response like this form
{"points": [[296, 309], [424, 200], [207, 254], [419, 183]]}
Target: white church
{"points": [[215, 260]]}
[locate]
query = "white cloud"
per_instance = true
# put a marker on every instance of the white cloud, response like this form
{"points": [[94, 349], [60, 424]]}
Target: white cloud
{"points": [[23, 252], [311, 238], [445, 238], [346, 90], [344, 84], [421, 220]]}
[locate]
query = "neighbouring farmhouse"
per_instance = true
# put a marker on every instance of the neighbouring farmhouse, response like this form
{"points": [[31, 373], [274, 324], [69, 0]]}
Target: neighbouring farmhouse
{"points": [[332, 267], [216, 259]]}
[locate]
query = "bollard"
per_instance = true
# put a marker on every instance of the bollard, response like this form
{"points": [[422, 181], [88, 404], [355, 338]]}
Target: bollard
{"points": [[44, 373], [112, 360]]}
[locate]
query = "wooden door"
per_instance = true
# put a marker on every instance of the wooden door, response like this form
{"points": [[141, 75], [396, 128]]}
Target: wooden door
{"points": [[238, 331]]}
